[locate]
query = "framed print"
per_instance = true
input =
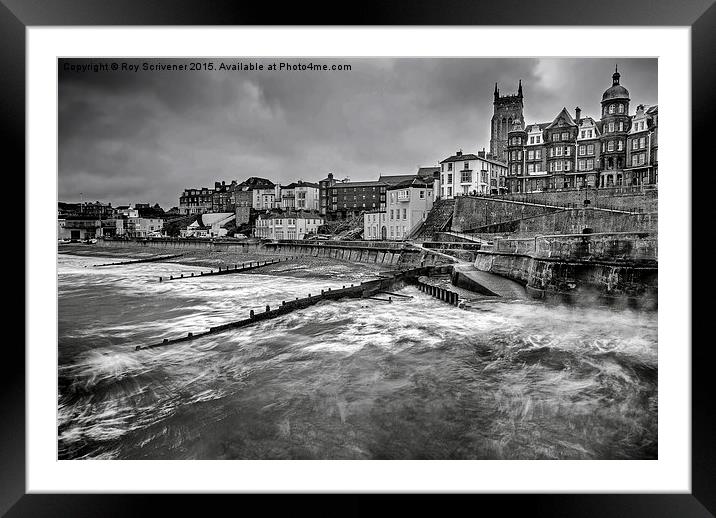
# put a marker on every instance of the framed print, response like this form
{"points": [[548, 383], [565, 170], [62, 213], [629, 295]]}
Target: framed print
{"points": [[427, 242]]}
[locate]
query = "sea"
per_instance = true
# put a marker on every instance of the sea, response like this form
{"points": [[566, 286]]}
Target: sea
{"points": [[415, 378]]}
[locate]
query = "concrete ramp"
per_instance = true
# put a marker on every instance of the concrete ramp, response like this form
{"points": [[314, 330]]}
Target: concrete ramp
{"points": [[470, 278]]}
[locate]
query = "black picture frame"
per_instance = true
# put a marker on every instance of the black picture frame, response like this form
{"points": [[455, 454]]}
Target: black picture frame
{"points": [[700, 15]]}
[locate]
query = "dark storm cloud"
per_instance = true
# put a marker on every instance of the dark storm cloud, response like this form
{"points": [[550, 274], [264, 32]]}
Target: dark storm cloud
{"points": [[129, 137]]}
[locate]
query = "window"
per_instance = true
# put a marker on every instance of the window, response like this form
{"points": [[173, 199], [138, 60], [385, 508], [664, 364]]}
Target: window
{"points": [[620, 145], [538, 153], [449, 178], [611, 127], [532, 140], [565, 136], [582, 164], [590, 164], [466, 166], [642, 142], [391, 213], [621, 108], [405, 213], [422, 195], [555, 137], [621, 125], [559, 165], [567, 166], [582, 149], [610, 145], [449, 166], [465, 177], [611, 108], [559, 151], [590, 149]]}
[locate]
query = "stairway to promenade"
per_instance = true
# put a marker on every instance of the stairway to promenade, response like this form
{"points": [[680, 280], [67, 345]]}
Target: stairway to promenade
{"points": [[438, 219]]}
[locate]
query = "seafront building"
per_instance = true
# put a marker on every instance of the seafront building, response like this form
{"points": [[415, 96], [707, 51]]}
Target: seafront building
{"points": [[243, 201], [575, 152], [222, 199], [287, 225], [196, 201], [463, 174], [407, 206], [299, 196], [374, 226]]}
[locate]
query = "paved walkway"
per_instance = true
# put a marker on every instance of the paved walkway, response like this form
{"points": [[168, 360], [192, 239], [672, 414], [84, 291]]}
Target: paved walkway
{"points": [[498, 285]]}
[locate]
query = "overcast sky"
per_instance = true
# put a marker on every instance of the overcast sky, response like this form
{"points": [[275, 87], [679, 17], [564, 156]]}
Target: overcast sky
{"points": [[137, 137]]}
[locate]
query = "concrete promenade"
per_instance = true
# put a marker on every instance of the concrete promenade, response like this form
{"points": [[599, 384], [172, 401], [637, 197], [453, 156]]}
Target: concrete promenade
{"points": [[469, 277]]}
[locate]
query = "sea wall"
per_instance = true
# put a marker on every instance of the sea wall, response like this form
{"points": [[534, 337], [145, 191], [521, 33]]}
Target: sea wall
{"points": [[474, 212], [644, 199], [385, 253], [586, 282], [572, 221]]}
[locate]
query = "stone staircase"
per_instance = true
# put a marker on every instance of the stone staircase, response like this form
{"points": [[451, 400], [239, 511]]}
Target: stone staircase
{"points": [[438, 219]]}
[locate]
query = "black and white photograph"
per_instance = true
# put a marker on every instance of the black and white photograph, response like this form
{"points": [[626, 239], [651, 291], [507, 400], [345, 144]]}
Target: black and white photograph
{"points": [[357, 258]]}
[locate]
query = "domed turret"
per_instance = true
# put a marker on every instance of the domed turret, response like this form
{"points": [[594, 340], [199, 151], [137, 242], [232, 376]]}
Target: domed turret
{"points": [[616, 91]]}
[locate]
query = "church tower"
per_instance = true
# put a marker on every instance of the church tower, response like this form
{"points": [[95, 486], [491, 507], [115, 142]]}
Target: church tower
{"points": [[507, 109]]}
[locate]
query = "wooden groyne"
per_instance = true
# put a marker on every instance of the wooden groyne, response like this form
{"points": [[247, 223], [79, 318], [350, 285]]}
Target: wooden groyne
{"points": [[226, 271], [137, 261], [363, 290], [439, 293]]}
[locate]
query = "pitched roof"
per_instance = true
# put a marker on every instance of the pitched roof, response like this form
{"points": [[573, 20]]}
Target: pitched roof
{"points": [[212, 218], [564, 116], [539, 125], [392, 179], [427, 171], [460, 157], [300, 184], [414, 182], [257, 183]]}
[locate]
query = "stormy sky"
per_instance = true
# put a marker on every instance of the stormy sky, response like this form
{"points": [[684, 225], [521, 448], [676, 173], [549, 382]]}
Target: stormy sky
{"points": [[137, 137]]}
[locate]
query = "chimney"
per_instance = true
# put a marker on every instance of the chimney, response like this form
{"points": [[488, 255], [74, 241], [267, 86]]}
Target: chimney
{"points": [[459, 152], [578, 113], [330, 176]]}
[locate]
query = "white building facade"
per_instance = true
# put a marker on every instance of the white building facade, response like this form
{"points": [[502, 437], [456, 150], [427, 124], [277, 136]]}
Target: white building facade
{"points": [[374, 226], [407, 206], [291, 225], [464, 174], [300, 196], [263, 199]]}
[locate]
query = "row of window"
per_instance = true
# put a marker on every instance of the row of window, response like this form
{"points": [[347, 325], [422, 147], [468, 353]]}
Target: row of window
{"points": [[466, 166], [639, 126], [614, 108], [334, 190], [556, 137], [465, 177], [638, 143], [290, 221], [638, 159], [614, 126], [395, 214]]}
